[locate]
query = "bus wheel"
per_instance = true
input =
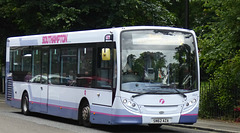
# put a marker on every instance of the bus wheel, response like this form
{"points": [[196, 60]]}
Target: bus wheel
{"points": [[25, 104], [85, 115]]}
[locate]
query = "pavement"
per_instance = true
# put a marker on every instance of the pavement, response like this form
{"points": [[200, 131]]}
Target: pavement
{"points": [[202, 124], [214, 126]]}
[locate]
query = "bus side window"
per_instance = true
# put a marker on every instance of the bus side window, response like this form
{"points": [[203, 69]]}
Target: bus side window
{"points": [[85, 75], [104, 68], [54, 69], [20, 63], [68, 65]]}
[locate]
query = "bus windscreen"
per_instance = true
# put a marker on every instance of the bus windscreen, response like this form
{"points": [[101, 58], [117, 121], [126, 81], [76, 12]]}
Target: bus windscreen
{"points": [[158, 61]]}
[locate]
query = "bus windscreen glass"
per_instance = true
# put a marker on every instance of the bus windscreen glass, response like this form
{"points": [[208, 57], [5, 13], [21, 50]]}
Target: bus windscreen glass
{"points": [[158, 61]]}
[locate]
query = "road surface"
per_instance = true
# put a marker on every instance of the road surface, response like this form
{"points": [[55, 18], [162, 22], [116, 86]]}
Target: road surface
{"points": [[12, 121]]}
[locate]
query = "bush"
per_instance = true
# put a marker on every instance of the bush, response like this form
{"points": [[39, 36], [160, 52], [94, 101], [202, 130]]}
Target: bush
{"points": [[207, 103], [221, 95]]}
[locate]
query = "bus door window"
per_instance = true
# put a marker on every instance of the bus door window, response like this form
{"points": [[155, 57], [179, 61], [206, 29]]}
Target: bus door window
{"points": [[104, 69], [26, 60], [85, 67], [68, 66], [36, 65], [54, 67], [45, 66], [26, 67], [114, 68]]}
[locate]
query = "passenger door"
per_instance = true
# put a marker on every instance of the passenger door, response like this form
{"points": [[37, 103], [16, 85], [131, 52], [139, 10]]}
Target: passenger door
{"points": [[44, 80]]}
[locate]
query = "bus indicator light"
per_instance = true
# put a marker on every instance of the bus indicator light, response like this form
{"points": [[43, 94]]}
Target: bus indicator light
{"points": [[108, 37]]}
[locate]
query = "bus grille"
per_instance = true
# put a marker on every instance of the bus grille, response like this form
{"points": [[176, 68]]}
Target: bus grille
{"points": [[9, 89]]}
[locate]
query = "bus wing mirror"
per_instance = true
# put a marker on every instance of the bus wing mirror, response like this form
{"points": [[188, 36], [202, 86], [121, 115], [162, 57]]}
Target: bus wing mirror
{"points": [[106, 54]]}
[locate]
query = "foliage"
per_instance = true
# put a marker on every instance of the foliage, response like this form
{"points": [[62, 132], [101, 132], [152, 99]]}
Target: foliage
{"points": [[210, 107], [197, 17], [219, 44], [207, 104], [227, 79], [237, 112], [177, 7], [34, 17]]}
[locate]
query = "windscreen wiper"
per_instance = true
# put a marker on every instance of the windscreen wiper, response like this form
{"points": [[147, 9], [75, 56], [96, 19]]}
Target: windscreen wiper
{"points": [[140, 94], [181, 93], [154, 92]]}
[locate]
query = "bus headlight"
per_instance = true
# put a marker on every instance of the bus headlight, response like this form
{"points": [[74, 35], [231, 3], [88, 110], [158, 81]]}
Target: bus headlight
{"points": [[190, 104], [131, 105]]}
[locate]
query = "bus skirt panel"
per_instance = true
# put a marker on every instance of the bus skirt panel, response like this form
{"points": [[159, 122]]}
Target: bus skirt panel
{"points": [[61, 109], [189, 118], [105, 115]]}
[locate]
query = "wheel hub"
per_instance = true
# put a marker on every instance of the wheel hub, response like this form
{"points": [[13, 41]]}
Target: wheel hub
{"points": [[85, 113], [25, 104]]}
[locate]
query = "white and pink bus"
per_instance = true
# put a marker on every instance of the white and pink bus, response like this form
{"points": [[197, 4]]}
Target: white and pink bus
{"points": [[127, 75]]}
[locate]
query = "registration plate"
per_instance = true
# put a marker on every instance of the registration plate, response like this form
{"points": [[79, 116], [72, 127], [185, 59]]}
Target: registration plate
{"points": [[161, 120]]}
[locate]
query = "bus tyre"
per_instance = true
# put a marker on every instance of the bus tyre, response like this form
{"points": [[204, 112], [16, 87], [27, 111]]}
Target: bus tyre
{"points": [[25, 104], [85, 115]]}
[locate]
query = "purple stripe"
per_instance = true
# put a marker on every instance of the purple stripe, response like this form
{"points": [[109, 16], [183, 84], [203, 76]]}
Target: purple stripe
{"points": [[54, 105], [188, 118], [47, 104], [189, 114]]}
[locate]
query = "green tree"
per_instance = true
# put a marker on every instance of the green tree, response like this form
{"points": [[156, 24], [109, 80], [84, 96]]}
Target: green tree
{"points": [[219, 44], [33, 17], [27, 17]]}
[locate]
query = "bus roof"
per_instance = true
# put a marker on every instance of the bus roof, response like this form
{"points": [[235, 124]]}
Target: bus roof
{"points": [[74, 37]]}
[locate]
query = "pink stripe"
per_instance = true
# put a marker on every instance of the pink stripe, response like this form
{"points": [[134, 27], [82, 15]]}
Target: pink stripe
{"points": [[47, 104], [189, 114], [55, 105], [38, 103], [116, 115]]}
